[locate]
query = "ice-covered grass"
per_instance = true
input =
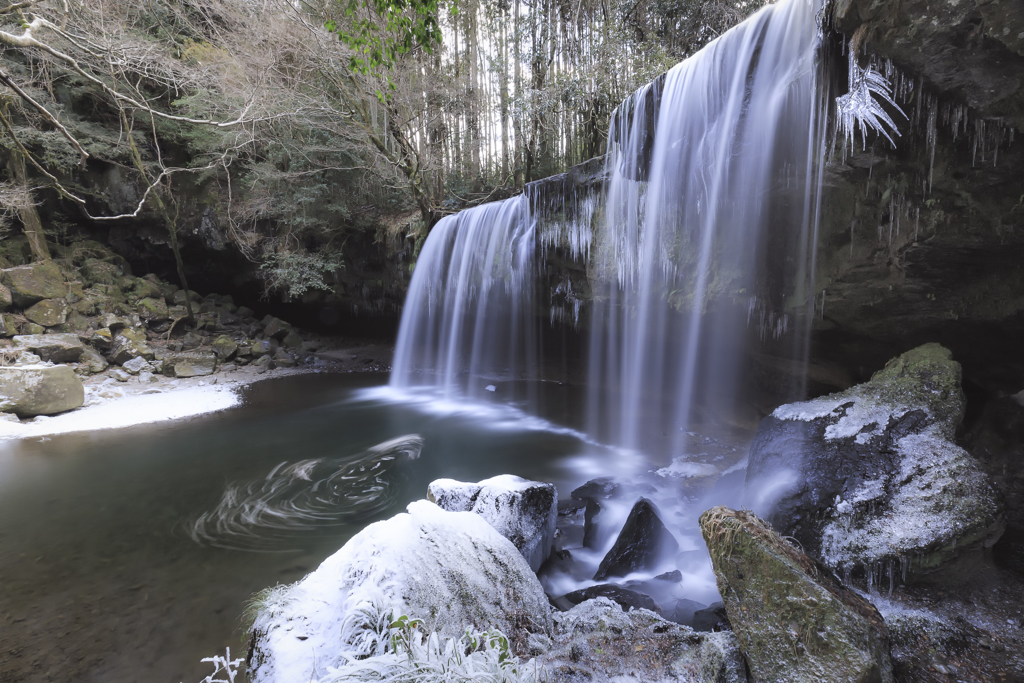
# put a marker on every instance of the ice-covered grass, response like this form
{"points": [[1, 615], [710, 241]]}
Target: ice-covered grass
{"points": [[451, 569], [127, 411]]}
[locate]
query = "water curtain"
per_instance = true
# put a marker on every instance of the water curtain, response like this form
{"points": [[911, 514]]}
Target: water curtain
{"points": [[703, 238]]}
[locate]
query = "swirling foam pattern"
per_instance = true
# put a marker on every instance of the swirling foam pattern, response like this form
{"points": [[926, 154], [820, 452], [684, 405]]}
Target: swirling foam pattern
{"points": [[264, 515]]}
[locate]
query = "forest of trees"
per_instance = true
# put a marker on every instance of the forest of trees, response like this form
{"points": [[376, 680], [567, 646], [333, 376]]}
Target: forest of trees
{"points": [[124, 109]]}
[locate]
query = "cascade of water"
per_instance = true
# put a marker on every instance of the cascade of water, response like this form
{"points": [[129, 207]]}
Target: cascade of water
{"points": [[711, 201], [704, 241], [469, 311]]}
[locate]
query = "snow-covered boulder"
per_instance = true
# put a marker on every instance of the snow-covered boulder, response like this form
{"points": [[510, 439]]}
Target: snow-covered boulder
{"points": [[522, 511], [871, 478], [450, 569]]}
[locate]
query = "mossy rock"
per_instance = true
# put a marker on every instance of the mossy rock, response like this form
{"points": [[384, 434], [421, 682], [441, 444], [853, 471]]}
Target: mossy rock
{"points": [[34, 282], [152, 310], [94, 272], [48, 312], [794, 621]]}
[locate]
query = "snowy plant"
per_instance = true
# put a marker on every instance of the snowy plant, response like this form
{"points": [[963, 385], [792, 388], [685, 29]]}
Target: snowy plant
{"points": [[400, 652], [223, 666], [859, 108]]}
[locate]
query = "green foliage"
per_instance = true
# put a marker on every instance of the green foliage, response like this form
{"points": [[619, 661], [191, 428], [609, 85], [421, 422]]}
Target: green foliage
{"points": [[380, 31], [298, 272]]}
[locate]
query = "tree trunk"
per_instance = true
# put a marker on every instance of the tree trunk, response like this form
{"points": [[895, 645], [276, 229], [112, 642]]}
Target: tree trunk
{"points": [[29, 216]]}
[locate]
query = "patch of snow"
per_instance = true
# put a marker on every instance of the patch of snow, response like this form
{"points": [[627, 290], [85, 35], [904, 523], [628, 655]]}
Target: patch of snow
{"points": [[857, 420], [126, 411]]}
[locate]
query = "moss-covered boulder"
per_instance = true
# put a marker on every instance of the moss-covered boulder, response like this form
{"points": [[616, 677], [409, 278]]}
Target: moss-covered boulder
{"points": [[794, 621], [8, 325], [129, 344], [870, 479], [58, 348], [152, 309], [34, 282], [224, 347], [91, 362], [6, 300], [190, 364], [96, 271], [48, 312], [39, 390]]}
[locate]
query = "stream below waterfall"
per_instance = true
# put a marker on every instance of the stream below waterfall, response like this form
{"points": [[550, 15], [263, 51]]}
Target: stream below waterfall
{"points": [[107, 574]]}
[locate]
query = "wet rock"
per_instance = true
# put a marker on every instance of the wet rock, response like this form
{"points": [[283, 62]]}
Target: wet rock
{"points": [[58, 348], [152, 310], [244, 312], [48, 312], [601, 488], [6, 300], [683, 612], [92, 362], [597, 641], [39, 390], [451, 569], [794, 621], [625, 598], [591, 530], [35, 282], [147, 377], [522, 511], [194, 364], [711, 618], [129, 344], [224, 347], [871, 476], [32, 329], [641, 543]]}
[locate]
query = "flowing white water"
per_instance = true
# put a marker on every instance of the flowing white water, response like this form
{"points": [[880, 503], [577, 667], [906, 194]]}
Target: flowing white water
{"points": [[702, 243], [710, 215], [468, 315]]}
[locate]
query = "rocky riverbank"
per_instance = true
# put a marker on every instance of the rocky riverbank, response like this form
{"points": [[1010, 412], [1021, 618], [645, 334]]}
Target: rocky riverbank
{"points": [[84, 344]]}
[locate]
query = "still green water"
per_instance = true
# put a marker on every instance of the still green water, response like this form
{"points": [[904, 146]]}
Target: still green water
{"points": [[99, 577]]}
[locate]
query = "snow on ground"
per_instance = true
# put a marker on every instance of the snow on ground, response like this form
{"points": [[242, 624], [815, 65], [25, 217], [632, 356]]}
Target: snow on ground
{"points": [[113, 408]]}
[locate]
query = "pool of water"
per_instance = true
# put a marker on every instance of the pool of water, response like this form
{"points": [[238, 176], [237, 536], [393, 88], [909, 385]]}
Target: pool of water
{"points": [[104, 578]]}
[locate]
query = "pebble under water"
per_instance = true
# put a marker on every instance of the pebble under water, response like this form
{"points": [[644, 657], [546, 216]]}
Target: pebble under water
{"points": [[129, 555]]}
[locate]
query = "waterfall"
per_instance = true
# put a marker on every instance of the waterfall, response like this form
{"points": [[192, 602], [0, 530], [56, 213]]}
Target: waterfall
{"points": [[469, 314], [710, 221], [702, 244]]}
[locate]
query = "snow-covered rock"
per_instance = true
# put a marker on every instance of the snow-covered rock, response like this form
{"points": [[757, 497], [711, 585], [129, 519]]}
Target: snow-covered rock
{"points": [[450, 569], [596, 641], [873, 477], [522, 511]]}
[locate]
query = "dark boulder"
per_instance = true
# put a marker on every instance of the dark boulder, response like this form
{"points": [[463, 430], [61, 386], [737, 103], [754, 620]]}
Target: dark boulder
{"points": [[641, 543], [625, 598], [871, 479]]}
